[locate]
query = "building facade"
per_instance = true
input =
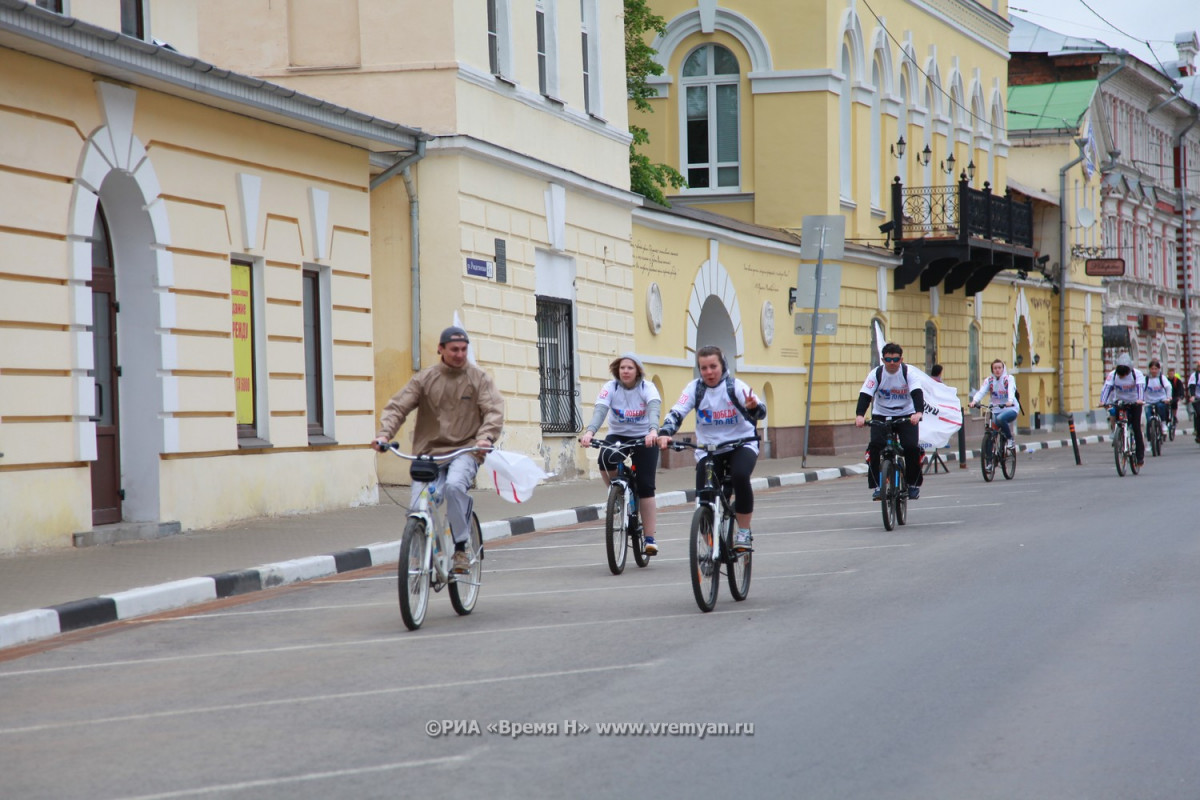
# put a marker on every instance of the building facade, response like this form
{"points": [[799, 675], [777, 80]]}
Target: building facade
{"points": [[185, 288]]}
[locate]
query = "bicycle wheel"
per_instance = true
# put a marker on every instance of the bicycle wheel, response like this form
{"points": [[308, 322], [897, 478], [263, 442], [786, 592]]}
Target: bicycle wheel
{"points": [[413, 574], [737, 569], [887, 493], [614, 528], [637, 541], [987, 460], [1119, 449], [1008, 462], [464, 589], [706, 575], [901, 493], [1131, 452], [1171, 431], [1154, 437]]}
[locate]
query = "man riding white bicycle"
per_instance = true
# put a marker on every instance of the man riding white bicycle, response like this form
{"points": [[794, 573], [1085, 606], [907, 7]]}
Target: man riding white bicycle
{"points": [[457, 406]]}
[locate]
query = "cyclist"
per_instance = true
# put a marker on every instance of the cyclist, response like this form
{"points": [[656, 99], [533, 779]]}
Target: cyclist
{"points": [[1127, 385], [726, 410], [1193, 393], [1158, 391], [895, 391], [632, 406], [457, 406], [1003, 388], [1178, 392]]}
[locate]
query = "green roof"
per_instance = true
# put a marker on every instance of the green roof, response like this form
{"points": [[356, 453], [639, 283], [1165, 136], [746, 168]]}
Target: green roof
{"points": [[1048, 106]]}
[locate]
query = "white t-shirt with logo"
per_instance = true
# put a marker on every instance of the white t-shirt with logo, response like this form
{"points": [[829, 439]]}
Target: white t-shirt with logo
{"points": [[627, 408], [893, 394], [718, 420], [1158, 390], [1003, 389], [1129, 389]]}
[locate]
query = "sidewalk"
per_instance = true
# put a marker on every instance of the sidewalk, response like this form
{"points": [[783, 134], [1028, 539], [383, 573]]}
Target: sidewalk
{"points": [[47, 593]]}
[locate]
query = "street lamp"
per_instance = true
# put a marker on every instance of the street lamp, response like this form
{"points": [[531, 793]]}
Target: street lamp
{"points": [[947, 166]]}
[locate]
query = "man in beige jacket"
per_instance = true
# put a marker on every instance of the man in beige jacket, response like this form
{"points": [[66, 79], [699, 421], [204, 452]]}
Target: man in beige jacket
{"points": [[457, 406]]}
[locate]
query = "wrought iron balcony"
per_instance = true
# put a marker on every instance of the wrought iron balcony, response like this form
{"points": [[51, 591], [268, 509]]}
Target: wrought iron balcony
{"points": [[959, 237]]}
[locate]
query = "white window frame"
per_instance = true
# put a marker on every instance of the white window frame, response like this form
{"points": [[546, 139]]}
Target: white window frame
{"points": [[710, 81], [548, 72], [502, 36], [593, 102], [324, 346]]}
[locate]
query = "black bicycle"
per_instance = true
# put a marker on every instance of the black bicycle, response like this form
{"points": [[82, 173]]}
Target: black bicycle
{"points": [[1124, 446], [711, 537], [1154, 431], [995, 448], [893, 487], [622, 525]]}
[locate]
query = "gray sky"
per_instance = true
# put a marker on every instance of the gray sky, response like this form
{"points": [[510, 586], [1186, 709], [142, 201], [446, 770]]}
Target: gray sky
{"points": [[1135, 22]]}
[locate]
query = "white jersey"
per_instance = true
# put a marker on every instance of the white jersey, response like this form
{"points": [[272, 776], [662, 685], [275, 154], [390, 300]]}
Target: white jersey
{"points": [[718, 420], [1129, 389], [1158, 390], [892, 396], [628, 408], [1003, 390]]}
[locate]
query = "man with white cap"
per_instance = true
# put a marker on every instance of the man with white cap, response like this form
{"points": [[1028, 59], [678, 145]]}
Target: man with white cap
{"points": [[1127, 385], [457, 406]]}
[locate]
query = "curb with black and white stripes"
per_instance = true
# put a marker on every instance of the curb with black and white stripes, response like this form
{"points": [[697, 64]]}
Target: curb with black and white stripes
{"points": [[43, 623]]}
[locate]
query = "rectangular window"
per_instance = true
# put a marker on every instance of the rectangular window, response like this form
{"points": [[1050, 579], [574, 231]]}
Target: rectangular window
{"points": [[543, 75], [587, 78], [493, 37], [244, 376], [589, 39], [52, 5], [133, 19], [556, 363], [312, 353]]}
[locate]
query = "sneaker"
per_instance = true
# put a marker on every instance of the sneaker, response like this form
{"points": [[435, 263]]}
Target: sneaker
{"points": [[461, 564], [875, 495], [651, 546], [914, 492], [741, 541]]}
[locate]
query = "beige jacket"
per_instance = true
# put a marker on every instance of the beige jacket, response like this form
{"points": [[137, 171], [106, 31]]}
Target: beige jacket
{"points": [[455, 408]]}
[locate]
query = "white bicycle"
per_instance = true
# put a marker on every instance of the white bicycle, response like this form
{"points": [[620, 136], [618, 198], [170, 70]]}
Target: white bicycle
{"points": [[427, 547]]}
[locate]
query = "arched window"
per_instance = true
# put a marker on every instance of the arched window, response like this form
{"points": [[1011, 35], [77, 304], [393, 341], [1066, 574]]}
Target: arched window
{"points": [[877, 136], [710, 108], [846, 126]]}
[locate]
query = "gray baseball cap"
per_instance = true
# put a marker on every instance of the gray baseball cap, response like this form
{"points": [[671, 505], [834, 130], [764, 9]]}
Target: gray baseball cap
{"points": [[454, 334]]}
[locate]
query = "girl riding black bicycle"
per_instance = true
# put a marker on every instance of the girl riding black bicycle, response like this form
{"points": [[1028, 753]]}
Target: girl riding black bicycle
{"points": [[727, 410], [632, 406]]}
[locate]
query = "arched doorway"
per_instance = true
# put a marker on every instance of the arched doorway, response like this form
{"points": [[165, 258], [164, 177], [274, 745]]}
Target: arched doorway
{"points": [[106, 469], [716, 328]]}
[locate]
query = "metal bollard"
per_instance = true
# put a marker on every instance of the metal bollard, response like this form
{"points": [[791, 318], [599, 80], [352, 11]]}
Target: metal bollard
{"points": [[1074, 440], [962, 440]]}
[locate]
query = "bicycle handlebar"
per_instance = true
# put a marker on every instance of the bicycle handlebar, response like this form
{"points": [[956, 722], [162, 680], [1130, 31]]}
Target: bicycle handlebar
{"points": [[395, 450], [712, 448], [893, 421]]}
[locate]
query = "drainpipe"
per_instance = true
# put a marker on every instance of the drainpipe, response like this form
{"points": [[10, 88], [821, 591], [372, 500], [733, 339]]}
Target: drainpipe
{"points": [[1062, 275], [1185, 244], [403, 168]]}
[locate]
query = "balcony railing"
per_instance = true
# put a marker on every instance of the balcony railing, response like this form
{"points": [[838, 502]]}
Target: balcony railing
{"points": [[958, 213]]}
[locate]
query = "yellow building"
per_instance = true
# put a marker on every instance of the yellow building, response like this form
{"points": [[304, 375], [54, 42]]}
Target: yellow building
{"points": [[778, 111], [185, 286], [516, 215]]}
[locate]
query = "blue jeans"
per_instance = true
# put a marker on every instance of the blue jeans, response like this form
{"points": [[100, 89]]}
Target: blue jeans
{"points": [[1003, 418]]}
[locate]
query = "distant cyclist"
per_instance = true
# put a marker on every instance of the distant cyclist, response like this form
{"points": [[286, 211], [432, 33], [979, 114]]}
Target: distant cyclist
{"points": [[1178, 392], [1003, 389], [1127, 385], [1193, 395], [893, 391], [727, 410], [1158, 391], [632, 406]]}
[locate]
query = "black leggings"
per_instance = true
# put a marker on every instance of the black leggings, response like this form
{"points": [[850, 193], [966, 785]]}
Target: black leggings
{"points": [[739, 465], [644, 458], [909, 441]]}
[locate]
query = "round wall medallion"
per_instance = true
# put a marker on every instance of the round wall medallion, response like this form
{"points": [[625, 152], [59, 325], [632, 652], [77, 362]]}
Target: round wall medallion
{"points": [[654, 308], [768, 323]]}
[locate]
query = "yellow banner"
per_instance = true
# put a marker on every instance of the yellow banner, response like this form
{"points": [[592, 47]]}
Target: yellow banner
{"points": [[243, 344]]}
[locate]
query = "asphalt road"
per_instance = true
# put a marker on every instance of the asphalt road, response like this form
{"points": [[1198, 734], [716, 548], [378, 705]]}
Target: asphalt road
{"points": [[1034, 638]]}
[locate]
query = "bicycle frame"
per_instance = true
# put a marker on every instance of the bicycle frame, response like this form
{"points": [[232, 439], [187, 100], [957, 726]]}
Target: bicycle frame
{"points": [[625, 533]]}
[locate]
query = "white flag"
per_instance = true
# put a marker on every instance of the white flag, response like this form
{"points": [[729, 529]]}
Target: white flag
{"points": [[942, 415]]}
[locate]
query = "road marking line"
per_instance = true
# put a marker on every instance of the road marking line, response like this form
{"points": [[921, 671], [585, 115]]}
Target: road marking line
{"points": [[323, 698], [398, 638], [312, 776]]}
